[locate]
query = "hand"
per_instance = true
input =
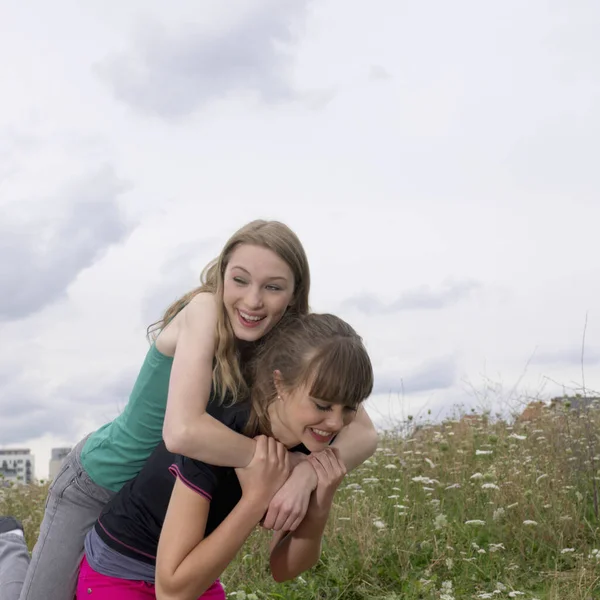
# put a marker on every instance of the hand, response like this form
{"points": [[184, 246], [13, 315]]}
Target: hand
{"points": [[330, 472], [266, 472], [289, 505]]}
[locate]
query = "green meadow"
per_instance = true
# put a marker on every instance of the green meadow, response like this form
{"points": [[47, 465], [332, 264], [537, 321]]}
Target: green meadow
{"points": [[470, 508]]}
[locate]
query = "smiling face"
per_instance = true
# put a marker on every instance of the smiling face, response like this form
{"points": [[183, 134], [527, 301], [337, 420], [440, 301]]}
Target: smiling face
{"points": [[258, 286], [298, 418]]}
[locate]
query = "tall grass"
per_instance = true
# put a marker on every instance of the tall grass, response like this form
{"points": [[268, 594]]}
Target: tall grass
{"points": [[467, 509]]}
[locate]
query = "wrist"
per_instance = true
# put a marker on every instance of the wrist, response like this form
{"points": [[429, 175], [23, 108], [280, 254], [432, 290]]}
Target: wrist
{"points": [[308, 473], [319, 508], [254, 505], [252, 450]]}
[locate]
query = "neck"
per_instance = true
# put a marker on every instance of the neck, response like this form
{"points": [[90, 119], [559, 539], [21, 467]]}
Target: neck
{"points": [[278, 428]]}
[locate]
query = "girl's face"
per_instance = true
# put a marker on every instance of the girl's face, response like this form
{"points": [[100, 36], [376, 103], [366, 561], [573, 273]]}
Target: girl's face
{"points": [[297, 418], [258, 287]]}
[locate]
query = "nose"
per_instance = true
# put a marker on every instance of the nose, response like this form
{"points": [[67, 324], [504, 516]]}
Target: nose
{"points": [[335, 421], [254, 297]]}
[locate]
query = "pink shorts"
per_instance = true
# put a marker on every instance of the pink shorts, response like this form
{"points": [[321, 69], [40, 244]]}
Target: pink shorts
{"points": [[93, 586]]}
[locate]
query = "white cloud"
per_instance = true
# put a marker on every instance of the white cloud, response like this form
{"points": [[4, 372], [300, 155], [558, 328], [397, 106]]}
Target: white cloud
{"points": [[464, 184]]}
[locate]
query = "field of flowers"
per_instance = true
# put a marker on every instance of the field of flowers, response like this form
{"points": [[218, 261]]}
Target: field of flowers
{"points": [[467, 509]]}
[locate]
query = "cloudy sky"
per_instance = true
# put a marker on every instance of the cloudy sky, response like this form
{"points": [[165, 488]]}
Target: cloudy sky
{"points": [[438, 160]]}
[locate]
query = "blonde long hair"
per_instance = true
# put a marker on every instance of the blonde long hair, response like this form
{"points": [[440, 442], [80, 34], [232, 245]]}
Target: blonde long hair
{"points": [[228, 380]]}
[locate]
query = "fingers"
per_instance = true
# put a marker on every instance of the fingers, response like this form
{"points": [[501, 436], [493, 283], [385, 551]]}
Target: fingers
{"points": [[272, 448], [282, 519], [328, 466], [318, 467], [282, 454], [270, 517], [297, 516], [261, 447]]}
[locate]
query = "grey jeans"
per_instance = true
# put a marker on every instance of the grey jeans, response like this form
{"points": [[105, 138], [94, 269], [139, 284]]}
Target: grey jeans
{"points": [[74, 503]]}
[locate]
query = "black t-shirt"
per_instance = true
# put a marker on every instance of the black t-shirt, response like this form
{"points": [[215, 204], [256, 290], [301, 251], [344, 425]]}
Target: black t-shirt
{"points": [[131, 522]]}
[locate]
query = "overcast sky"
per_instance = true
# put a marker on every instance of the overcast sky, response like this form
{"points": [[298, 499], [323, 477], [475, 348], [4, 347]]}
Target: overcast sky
{"points": [[438, 160]]}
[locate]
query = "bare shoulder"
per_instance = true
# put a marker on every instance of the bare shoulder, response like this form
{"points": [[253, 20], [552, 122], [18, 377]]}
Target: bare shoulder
{"points": [[196, 322], [202, 304]]}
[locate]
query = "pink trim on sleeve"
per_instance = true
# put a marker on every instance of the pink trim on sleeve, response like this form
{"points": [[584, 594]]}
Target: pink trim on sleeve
{"points": [[174, 470]]}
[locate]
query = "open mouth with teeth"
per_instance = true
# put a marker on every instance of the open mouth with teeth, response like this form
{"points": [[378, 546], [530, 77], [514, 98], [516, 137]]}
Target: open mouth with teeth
{"points": [[249, 320], [321, 435]]}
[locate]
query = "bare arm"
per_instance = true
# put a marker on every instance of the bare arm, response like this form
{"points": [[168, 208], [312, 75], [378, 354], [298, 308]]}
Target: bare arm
{"points": [[357, 441], [187, 563], [188, 429], [295, 552], [354, 444]]}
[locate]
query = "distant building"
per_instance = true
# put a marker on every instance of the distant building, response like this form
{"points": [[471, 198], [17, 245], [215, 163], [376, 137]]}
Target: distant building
{"points": [[17, 466], [56, 460]]}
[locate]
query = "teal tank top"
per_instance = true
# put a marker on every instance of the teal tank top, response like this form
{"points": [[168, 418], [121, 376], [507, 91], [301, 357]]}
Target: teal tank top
{"points": [[116, 452]]}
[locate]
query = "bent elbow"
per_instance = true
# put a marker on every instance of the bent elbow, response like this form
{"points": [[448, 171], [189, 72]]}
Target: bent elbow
{"points": [[282, 573], [176, 439], [372, 442], [280, 576]]}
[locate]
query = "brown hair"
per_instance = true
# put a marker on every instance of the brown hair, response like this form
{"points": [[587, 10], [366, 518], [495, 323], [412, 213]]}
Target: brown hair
{"points": [[318, 348], [227, 374]]}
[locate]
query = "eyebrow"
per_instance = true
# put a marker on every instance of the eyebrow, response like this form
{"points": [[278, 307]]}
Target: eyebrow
{"points": [[246, 271]]}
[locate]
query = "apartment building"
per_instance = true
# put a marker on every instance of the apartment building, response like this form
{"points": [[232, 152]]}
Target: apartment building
{"points": [[17, 465]]}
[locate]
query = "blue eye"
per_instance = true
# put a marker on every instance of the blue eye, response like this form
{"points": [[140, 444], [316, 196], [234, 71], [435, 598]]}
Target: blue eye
{"points": [[273, 288]]}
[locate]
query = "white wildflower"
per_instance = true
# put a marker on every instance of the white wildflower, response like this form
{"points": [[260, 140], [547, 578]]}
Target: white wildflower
{"points": [[454, 486], [544, 476], [530, 523], [379, 524], [483, 452], [440, 521], [475, 522], [515, 436], [390, 466], [567, 550], [430, 463], [425, 480], [489, 486], [498, 514], [476, 476]]}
